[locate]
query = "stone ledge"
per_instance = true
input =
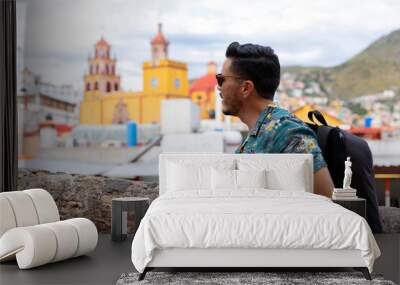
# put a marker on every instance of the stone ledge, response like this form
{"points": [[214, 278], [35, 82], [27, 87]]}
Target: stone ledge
{"points": [[86, 196]]}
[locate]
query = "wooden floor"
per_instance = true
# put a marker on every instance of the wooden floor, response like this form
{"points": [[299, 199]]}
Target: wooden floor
{"points": [[103, 266]]}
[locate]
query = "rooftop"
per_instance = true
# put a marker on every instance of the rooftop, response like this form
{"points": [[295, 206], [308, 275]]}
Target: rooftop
{"points": [[205, 83], [102, 42]]}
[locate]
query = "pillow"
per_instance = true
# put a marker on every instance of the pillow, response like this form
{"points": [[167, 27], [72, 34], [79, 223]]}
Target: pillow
{"points": [[187, 177], [251, 179], [185, 174], [237, 179], [223, 179], [281, 174], [293, 180]]}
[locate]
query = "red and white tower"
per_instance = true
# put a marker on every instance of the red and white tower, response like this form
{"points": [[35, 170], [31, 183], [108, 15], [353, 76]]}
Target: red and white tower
{"points": [[159, 46]]}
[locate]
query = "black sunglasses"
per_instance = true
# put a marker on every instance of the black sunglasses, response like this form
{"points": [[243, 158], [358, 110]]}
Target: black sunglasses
{"points": [[221, 78]]}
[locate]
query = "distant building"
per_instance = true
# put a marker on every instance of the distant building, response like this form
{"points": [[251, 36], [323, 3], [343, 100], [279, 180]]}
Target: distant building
{"points": [[40, 104], [105, 103], [102, 76], [57, 103], [302, 114], [367, 133], [202, 91]]}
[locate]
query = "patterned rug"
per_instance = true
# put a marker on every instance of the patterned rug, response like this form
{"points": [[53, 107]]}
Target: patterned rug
{"points": [[228, 278]]}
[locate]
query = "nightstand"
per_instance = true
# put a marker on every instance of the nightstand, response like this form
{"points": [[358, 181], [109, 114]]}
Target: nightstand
{"points": [[119, 215], [357, 205]]}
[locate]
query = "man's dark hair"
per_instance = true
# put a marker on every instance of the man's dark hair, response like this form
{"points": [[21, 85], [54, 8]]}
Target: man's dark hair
{"points": [[256, 63]]}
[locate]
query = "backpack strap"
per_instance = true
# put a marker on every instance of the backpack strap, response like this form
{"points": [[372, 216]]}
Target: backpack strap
{"points": [[322, 131], [317, 114]]}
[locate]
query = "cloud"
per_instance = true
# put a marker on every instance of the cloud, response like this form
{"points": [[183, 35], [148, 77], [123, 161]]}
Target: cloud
{"points": [[60, 34]]}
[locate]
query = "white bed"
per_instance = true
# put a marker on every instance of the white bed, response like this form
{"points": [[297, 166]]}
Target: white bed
{"points": [[202, 220]]}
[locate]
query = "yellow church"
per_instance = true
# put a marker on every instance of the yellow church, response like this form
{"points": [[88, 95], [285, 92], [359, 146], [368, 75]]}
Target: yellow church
{"points": [[105, 103]]}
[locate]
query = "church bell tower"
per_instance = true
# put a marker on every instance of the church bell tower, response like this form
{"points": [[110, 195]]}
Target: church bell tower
{"points": [[159, 47], [102, 74]]}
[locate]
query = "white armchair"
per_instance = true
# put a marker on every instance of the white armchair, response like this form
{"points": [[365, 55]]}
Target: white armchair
{"points": [[31, 230]]}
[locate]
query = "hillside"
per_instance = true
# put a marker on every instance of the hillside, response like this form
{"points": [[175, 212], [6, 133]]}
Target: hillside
{"points": [[373, 70]]}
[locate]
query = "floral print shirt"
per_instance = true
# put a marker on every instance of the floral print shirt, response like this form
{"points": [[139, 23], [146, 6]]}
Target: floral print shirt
{"points": [[279, 131]]}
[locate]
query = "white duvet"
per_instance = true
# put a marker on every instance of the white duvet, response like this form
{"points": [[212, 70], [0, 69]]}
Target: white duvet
{"points": [[250, 219]]}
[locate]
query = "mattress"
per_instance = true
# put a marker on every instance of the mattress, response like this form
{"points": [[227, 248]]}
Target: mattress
{"points": [[251, 219]]}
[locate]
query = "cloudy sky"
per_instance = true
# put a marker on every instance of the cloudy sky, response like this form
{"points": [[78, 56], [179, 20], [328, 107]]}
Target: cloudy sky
{"points": [[59, 35]]}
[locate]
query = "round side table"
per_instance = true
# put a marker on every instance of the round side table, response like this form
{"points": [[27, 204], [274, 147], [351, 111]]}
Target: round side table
{"points": [[119, 215]]}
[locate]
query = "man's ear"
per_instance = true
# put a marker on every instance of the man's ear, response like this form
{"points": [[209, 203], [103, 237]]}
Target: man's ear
{"points": [[247, 88]]}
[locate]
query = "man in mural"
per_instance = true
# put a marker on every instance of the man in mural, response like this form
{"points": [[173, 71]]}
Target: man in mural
{"points": [[247, 83]]}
